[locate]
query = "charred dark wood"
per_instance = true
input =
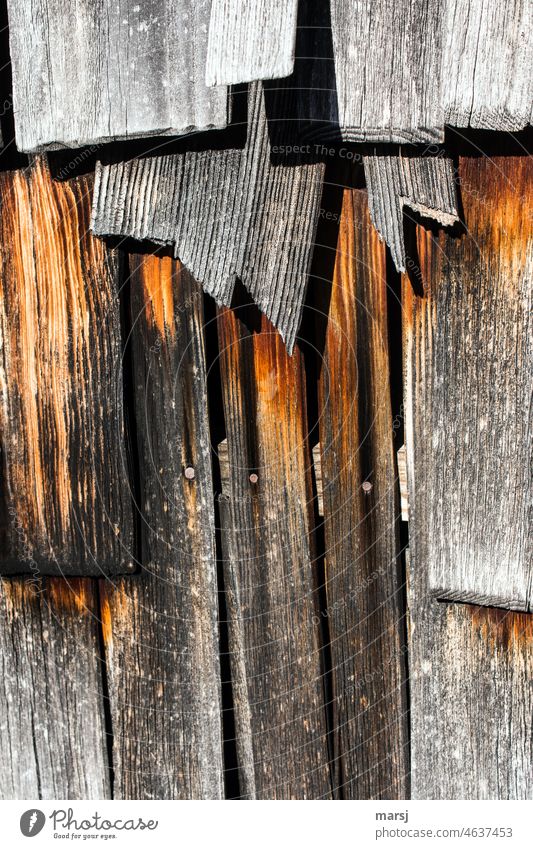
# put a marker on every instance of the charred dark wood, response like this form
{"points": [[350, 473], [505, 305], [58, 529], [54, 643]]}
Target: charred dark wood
{"points": [[52, 731]]}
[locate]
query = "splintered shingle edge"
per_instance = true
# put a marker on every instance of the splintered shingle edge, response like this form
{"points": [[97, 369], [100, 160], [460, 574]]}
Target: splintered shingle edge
{"points": [[250, 40], [230, 214], [425, 184]]}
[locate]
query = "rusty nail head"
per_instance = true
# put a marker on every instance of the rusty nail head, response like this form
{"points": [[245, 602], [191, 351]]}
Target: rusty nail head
{"points": [[367, 486], [189, 473], [253, 478]]}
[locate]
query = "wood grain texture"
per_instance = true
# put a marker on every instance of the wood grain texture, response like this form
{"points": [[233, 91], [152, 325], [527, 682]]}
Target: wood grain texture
{"points": [[52, 733], [66, 502], [269, 568], [471, 706], [469, 354], [85, 73], [160, 629], [229, 214], [467, 427], [364, 588], [250, 40], [387, 68], [427, 185], [486, 66]]}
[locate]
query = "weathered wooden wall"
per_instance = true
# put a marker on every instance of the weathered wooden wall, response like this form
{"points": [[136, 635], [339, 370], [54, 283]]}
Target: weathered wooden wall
{"points": [[321, 644], [205, 589]]}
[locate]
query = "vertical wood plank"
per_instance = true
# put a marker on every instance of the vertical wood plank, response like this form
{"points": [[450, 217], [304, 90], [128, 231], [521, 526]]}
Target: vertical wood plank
{"points": [[160, 628], [470, 350], [467, 426], [52, 731], [65, 470], [365, 609], [270, 573]]}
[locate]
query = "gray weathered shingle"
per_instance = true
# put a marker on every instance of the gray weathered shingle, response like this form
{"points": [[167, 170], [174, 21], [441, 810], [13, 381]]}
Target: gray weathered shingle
{"points": [[229, 214], [424, 184], [487, 61], [250, 40], [85, 73], [387, 67]]}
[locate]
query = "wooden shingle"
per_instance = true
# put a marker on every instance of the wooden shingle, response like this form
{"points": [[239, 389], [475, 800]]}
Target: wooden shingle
{"points": [[230, 214], [424, 184], [85, 73], [160, 628], [269, 567], [387, 68], [468, 348], [250, 40], [486, 66], [363, 611]]}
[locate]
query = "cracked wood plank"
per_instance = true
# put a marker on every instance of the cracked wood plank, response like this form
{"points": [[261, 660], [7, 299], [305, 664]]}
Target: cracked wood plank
{"points": [[161, 627], [269, 567], [364, 611], [85, 73], [52, 731], [65, 506], [250, 40], [469, 349], [427, 185], [486, 66], [229, 214]]}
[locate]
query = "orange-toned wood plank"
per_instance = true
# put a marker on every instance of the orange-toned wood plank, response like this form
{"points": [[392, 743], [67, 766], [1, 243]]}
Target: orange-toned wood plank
{"points": [[468, 426], [364, 588], [269, 566], [469, 353], [65, 502]]}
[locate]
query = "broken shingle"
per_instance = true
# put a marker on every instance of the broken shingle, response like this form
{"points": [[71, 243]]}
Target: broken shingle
{"points": [[425, 184], [230, 214]]}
